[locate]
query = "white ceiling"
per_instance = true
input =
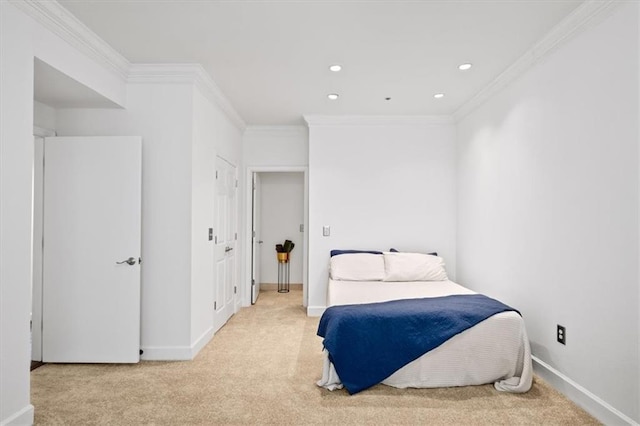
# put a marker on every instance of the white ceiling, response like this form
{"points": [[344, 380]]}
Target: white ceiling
{"points": [[271, 58]]}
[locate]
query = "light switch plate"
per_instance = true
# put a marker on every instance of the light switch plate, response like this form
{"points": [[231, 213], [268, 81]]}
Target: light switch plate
{"points": [[326, 231]]}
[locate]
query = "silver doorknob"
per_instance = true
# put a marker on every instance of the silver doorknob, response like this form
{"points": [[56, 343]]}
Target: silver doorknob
{"points": [[130, 261], [226, 249], [260, 242]]}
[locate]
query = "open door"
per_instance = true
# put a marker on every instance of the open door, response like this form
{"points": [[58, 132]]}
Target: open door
{"points": [[255, 240], [91, 265]]}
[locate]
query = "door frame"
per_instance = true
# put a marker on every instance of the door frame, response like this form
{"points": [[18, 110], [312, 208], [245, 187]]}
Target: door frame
{"points": [[256, 212], [246, 299], [36, 248]]}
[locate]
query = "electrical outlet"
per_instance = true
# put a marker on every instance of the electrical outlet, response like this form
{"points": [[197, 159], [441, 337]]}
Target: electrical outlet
{"points": [[561, 335]]}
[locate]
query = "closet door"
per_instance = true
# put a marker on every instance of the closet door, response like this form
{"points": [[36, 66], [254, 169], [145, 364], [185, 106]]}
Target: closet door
{"points": [[225, 242]]}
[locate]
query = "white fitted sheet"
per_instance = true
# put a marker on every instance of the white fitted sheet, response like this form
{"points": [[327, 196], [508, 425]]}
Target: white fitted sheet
{"points": [[354, 292], [494, 351]]}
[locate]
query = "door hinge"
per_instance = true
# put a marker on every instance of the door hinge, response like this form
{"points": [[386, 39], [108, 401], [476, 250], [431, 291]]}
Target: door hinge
{"points": [[216, 241], [235, 289], [236, 183], [254, 234], [215, 305], [253, 186], [236, 236], [253, 282]]}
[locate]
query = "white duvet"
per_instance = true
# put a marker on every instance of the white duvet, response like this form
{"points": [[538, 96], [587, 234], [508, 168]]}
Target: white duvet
{"points": [[494, 351]]}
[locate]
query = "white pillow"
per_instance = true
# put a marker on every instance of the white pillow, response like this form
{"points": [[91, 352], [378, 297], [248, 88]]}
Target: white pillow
{"points": [[413, 267], [357, 267]]}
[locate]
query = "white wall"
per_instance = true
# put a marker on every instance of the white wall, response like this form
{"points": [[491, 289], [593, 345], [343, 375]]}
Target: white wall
{"points": [[182, 132], [273, 148], [44, 116], [162, 115], [213, 135], [282, 213], [379, 185], [548, 206], [276, 146], [21, 39]]}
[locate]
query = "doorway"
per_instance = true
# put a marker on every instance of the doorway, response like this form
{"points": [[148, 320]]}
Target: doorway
{"points": [[86, 275], [277, 210]]}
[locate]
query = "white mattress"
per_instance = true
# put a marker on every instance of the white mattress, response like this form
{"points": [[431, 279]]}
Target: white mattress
{"points": [[494, 351]]}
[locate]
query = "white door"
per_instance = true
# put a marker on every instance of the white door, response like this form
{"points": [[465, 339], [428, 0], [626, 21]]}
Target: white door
{"points": [[256, 242], [225, 242], [91, 270]]}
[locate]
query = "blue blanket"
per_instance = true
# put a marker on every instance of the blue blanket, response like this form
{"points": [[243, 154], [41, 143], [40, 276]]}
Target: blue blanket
{"points": [[369, 342]]}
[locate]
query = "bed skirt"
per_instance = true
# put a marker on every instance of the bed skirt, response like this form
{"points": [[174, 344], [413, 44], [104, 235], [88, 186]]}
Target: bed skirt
{"points": [[494, 351]]}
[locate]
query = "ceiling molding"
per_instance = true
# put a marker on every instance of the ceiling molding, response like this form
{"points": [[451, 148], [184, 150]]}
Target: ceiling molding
{"points": [[581, 18], [277, 129], [64, 24], [61, 22], [185, 74], [377, 120], [164, 73]]}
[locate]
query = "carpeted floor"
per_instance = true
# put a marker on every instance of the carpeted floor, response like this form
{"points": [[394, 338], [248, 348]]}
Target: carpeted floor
{"points": [[261, 368]]}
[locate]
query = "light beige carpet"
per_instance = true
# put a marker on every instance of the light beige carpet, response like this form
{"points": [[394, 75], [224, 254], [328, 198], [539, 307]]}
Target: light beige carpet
{"points": [[261, 368]]}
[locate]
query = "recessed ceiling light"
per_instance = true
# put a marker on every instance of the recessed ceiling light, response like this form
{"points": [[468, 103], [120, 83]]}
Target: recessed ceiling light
{"points": [[333, 96], [335, 68], [439, 95], [464, 67]]}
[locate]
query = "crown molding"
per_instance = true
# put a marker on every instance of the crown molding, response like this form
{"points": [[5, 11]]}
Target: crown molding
{"points": [[64, 24], [61, 22], [377, 120], [164, 73], [278, 129], [585, 15], [185, 74]]}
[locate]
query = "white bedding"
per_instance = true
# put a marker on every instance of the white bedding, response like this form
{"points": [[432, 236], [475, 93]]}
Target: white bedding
{"points": [[496, 350]]}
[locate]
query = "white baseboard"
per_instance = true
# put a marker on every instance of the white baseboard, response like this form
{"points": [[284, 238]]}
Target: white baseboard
{"points": [[201, 342], [176, 353], [274, 286], [166, 353], [22, 417], [315, 311], [581, 396]]}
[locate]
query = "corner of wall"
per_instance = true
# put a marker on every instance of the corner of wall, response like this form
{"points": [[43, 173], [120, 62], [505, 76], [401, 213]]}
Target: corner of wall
{"points": [[315, 311], [591, 403]]}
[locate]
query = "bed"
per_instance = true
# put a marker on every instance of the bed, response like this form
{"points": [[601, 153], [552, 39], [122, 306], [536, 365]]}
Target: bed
{"points": [[495, 350]]}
